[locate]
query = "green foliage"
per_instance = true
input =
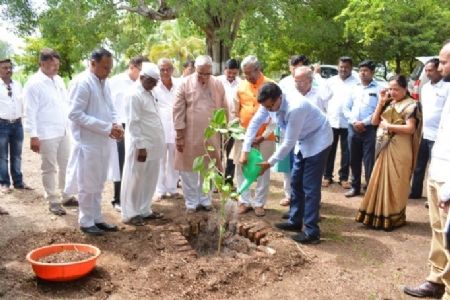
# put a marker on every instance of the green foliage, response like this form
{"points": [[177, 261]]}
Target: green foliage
{"points": [[396, 30], [169, 41]]}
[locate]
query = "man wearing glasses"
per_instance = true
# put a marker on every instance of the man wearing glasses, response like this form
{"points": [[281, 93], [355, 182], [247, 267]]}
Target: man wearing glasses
{"points": [[198, 96], [11, 130]]}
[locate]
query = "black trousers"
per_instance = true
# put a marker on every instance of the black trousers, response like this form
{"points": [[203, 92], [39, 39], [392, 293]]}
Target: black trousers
{"points": [[117, 184]]}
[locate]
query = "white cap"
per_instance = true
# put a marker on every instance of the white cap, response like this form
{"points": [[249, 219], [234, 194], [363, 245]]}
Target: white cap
{"points": [[150, 70]]}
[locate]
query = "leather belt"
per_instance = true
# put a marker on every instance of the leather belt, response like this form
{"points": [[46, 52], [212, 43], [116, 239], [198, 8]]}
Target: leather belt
{"points": [[12, 121]]}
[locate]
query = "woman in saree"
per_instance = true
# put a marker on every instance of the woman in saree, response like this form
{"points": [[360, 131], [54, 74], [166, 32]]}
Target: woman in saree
{"points": [[398, 118]]}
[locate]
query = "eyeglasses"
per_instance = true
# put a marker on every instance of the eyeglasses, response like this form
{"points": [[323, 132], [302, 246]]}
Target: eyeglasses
{"points": [[204, 74], [9, 88]]}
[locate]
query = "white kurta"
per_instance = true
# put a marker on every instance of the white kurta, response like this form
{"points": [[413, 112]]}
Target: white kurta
{"points": [[168, 176], [91, 114], [144, 130]]}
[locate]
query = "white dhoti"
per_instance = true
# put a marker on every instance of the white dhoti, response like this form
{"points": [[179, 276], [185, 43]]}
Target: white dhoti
{"points": [[138, 185], [86, 175], [168, 176], [192, 190]]}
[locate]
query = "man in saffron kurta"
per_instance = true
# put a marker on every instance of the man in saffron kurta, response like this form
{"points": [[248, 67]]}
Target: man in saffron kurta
{"points": [[246, 106], [198, 96]]}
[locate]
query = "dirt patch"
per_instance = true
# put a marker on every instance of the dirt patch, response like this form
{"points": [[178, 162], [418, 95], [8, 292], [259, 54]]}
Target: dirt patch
{"points": [[165, 260]]}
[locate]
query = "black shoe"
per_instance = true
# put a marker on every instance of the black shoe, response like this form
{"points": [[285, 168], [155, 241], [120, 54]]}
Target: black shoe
{"points": [[285, 216], [93, 230], [411, 196], [288, 226], [23, 186], [352, 193], [426, 290], [106, 227], [303, 238]]}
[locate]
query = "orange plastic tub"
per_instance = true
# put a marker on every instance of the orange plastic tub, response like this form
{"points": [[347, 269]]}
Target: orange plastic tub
{"points": [[62, 271]]}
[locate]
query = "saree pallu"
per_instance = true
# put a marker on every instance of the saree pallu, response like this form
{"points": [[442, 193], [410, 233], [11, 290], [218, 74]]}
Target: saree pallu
{"points": [[384, 204]]}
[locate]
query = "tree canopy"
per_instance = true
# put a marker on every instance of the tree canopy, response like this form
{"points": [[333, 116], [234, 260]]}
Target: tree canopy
{"points": [[273, 30]]}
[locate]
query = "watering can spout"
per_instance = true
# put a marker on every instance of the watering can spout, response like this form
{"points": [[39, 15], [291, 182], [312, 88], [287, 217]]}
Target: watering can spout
{"points": [[251, 170]]}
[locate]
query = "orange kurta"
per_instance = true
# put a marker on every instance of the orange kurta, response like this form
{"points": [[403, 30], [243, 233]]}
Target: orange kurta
{"points": [[247, 103]]}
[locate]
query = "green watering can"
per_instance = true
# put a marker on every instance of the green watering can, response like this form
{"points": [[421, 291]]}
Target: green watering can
{"points": [[251, 170]]}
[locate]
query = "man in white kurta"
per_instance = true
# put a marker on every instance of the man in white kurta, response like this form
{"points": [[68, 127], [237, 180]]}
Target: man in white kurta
{"points": [[47, 124], [120, 86], [165, 92], [144, 142], [93, 122]]}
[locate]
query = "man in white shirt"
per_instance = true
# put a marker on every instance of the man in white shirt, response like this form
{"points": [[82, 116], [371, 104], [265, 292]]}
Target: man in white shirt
{"points": [[437, 284], [11, 130], [47, 124], [303, 78], [340, 88], [93, 121], [165, 93], [145, 147], [230, 80], [120, 85], [433, 96]]}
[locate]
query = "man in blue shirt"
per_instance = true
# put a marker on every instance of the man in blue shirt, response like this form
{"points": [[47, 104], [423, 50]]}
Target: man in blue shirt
{"points": [[308, 130], [361, 132]]}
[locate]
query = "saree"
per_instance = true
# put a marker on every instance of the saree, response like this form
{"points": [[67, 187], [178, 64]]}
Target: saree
{"points": [[384, 204]]}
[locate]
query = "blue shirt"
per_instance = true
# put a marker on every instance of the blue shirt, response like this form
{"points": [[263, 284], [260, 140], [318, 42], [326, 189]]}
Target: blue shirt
{"points": [[362, 103], [305, 126]]}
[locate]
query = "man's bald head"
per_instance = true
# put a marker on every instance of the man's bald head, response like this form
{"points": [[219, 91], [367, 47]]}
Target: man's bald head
{"points": [[303, 77], [444, 61]]}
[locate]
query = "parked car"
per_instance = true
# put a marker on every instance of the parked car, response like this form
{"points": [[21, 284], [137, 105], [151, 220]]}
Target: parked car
{"points": [[418, 77], [327, 71]]}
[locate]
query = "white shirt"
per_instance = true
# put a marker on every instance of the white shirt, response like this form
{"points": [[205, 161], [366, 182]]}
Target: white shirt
{"points": [[120, 86], [144, 126], [165, 99], [10, 107], [440, 155], [317, 97], [230, 93], [92, 112], [433, 98], [46, 106], [340, 93]]}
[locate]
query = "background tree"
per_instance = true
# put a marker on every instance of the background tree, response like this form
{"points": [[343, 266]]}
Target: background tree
{"points": [[397, 30], [169, 41]]}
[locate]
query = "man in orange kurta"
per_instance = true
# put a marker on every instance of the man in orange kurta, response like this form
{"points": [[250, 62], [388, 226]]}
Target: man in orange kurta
{"points": [[198, 96], [246, 105]]}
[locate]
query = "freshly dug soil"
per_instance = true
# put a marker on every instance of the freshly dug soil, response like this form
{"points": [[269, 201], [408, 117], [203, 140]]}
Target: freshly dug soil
{"points": [[66, 256]]}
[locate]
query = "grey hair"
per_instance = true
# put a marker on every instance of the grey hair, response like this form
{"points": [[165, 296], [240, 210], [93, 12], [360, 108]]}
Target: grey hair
{"points": [[306, 70], [203, 60], [252, 61], [164, 60]]}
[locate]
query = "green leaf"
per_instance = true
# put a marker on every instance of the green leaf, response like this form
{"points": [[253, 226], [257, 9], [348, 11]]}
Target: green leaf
{"points": [[238, 136], [234, 196], [206, 187], [220, 117], [209, 132], [198, 164], [210, 148], [212, 164]]}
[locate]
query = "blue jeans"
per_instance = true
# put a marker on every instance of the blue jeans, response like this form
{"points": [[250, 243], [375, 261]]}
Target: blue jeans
{"points": [[342, 135], [306, 182], [421, 166], [11, 139], [362, 149]]}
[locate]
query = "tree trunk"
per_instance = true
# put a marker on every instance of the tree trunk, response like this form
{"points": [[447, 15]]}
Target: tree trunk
{"points": [[219, 52], [398, 67]]}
